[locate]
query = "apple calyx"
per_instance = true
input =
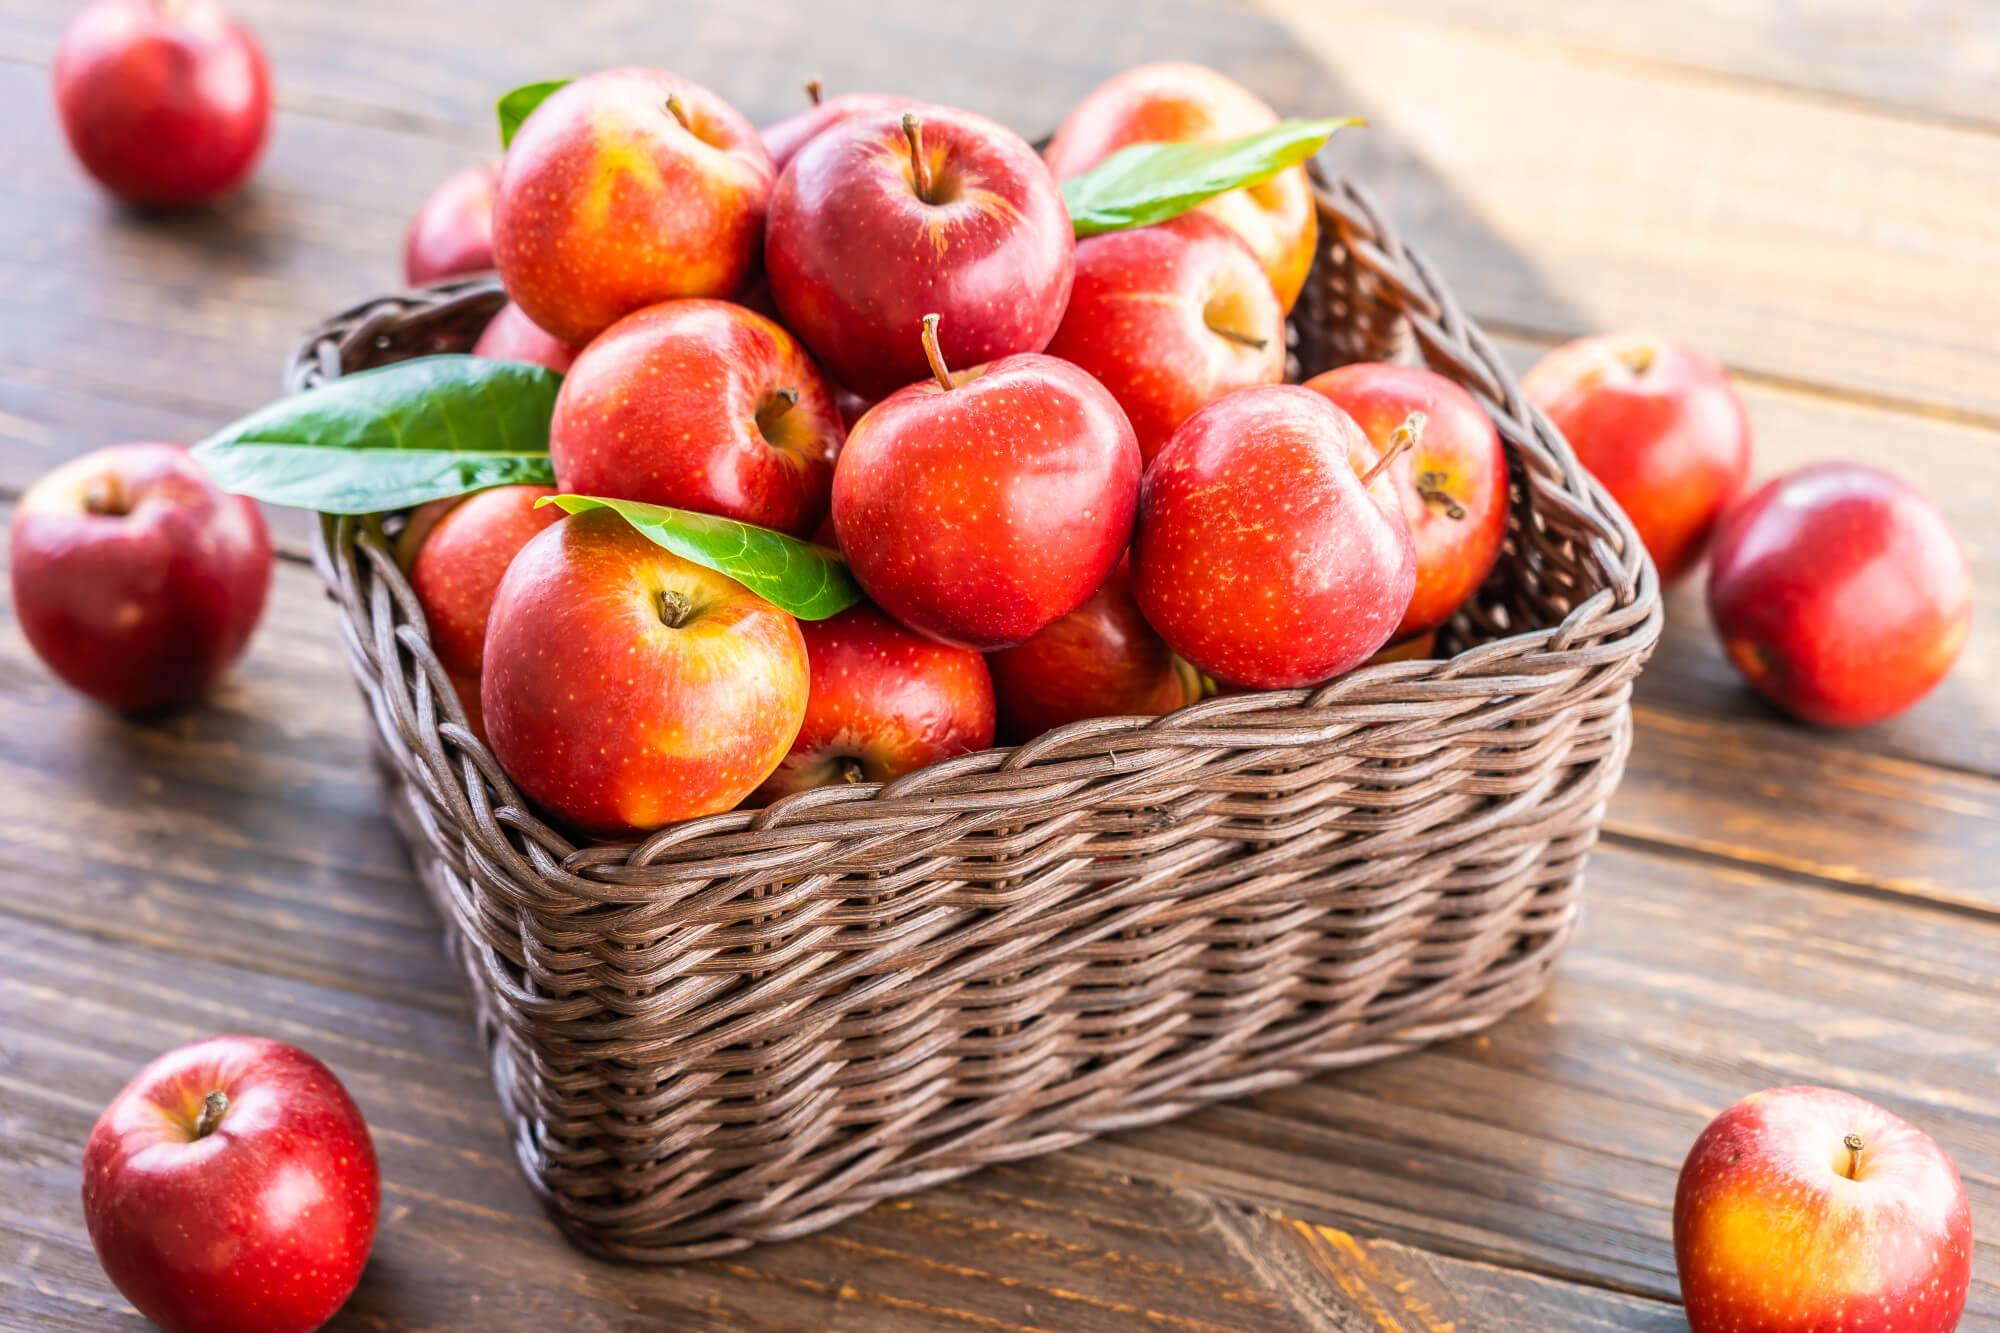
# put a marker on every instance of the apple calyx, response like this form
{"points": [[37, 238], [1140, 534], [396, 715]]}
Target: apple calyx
{"points": [[934, 353], [813, 89], [678, 109], [850, 770], [675, 609], [212, 1108], [920, 166], [1403, 440], [1852, 1143], [1240, 339]]}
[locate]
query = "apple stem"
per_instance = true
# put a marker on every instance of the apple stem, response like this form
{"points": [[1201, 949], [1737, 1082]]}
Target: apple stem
{"points": [[920, 166], [1404, 439], [935, 354], [1243, 339], [813, 89], [212, 1107], [679, 111], [1853, 1145], [774, 409], [105, 496]]}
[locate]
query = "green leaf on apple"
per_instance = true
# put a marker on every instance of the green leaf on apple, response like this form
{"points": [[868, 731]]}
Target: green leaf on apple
{"points": [[392, 437], [809, 581], [514, 107], [1151, 182]]}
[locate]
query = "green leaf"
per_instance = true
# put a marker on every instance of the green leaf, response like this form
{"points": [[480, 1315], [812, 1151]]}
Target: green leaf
{"points": [[809, 581], [392, 437], [515, 106], [1151, 182]]}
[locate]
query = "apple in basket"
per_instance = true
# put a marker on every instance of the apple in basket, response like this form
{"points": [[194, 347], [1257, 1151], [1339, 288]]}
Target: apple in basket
{"points": [[451, 232]]}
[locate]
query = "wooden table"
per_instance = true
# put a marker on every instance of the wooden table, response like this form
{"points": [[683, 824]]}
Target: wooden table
{"points": [[1812, 197]]}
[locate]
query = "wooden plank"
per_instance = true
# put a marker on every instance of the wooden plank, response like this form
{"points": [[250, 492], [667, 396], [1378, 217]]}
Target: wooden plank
{"points": [[1043, 1244], [1826, 48]]}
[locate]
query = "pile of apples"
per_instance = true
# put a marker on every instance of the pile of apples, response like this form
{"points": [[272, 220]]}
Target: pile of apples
{"points": [[1065, 472]]}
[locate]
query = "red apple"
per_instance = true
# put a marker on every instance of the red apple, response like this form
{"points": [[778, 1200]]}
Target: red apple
{"points": [[1170, 318], [167, 105], [784, 139], [135, 579], [699, 405], [978, 507], [1272, 547], [1452, 480], [1100, 660], [626, 687], [884, 702], [1840, 593], [882, 220], [452, 231], [512, 336], [1174, 101], [1807, 1209], [232, 1186], [625, 188], [851, 405], [1660, 426]]}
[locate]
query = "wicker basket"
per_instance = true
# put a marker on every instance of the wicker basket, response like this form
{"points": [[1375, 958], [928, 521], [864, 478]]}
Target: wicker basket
{"points": [[754, 1024]]}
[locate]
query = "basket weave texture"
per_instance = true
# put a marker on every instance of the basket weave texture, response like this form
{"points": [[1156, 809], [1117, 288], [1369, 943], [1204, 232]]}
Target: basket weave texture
{"points": [[754, 1024]]}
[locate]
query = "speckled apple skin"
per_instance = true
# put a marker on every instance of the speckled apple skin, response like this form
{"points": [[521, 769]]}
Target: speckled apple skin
{"points": [[1136, 321], [452, 230], [857, 259], [883, 702], [458, 568], [979, 514], [512, 336], [1671, 443], [1452, 482], [1772, 1236], [784, 139], [609, 719], [261, 1226], [662, 408], [1840, 593], [1260, 556], [1171, 101], [607, 204], [1100, 660]]}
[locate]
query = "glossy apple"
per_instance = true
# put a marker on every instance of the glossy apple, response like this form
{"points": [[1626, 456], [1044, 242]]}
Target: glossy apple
{"points": [[1263, 556], [625, 687], [512, 336], [1803, 1208], [1452, 480], [626, 188], [784, 139], [699, 405], [1658, 423], [884, 702], [232, 1186], [978, 507], [1170, 318], [167, 105], [1840, 593], [1100, 660], [1173, 101], [868, 234], [135, 579], [452, 230]]}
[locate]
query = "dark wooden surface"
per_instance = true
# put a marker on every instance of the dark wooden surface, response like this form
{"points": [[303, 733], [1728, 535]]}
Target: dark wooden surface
{"points": [[1804, 190]]}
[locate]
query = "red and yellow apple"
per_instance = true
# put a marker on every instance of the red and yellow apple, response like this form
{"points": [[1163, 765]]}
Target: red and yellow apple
{"points": [[1452, 480], [1172, 101], [512, 336], [978, 507], [1170, 318], [884, 219], [699, 405], [625, 687], [1802, 1209], [1272, 550], [135, 579], [883, 702], [1656, 422], [1840, 593], [232, 1185], [452, 230], [1100, 660], [626, 188]]}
